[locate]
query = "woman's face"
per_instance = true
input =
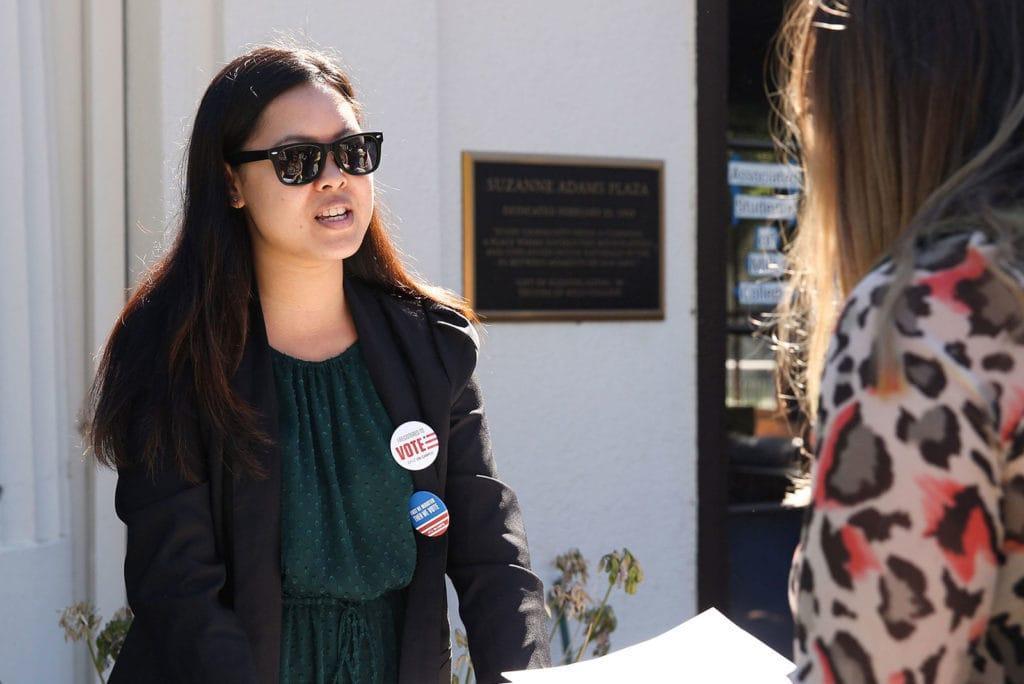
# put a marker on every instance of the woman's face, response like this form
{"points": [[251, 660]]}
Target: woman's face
{"points": [[282, 218]]}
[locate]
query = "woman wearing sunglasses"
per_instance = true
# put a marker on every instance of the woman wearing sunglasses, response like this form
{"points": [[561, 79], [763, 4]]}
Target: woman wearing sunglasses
{"points": [[908, 305], [296, 423]]}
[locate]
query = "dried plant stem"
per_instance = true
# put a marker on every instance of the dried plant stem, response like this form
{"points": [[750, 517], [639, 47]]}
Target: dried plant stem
{"points": [[554, 627], [95, 659], [593, 621]]}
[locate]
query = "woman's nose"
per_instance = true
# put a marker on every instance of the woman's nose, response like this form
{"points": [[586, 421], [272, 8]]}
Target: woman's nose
{"points": [[332, 175]]}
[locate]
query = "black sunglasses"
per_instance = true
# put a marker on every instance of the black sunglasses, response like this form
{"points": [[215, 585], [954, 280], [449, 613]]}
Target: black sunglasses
{"points": [[300, 163]]}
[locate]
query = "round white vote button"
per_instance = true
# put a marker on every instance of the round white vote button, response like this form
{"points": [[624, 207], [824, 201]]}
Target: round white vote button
{"points": [[414, 445]]}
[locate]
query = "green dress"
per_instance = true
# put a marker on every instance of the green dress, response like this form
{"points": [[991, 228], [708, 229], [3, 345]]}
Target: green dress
{"points": [[347, 546]]}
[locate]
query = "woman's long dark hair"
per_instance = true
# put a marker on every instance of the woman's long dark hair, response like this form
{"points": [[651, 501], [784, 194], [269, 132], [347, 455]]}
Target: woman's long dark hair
{"points": [[199, 290]]}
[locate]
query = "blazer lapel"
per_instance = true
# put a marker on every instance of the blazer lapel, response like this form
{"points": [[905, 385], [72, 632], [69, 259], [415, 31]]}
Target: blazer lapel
{"points": [[397, 347], [404, 377], [255, 511]]}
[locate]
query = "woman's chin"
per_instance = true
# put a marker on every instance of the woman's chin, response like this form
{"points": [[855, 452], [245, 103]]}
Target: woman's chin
{"points": [[340, 246]]}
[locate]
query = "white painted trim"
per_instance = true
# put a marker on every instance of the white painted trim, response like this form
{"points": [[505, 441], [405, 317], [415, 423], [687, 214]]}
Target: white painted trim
{"points": [[105, 268]]}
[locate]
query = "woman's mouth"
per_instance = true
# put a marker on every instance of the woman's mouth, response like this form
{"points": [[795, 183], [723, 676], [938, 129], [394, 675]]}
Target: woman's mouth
{"points": [[336, 220]]}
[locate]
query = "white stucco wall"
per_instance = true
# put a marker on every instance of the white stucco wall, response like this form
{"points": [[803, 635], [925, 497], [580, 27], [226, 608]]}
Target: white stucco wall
{"points": [[592, 422]]}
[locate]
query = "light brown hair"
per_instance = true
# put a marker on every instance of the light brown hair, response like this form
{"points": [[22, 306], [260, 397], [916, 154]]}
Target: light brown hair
{"points": [[907, 119]]}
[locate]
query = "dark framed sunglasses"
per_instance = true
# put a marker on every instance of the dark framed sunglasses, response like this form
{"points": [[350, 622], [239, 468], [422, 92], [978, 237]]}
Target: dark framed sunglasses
{"points": [[300, 163]]}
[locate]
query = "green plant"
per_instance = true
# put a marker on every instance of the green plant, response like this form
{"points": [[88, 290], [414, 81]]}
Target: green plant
{"points": [[568, 601], [80, 621]]}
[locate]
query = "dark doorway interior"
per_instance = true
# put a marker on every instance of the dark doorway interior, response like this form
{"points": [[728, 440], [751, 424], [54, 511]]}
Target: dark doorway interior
{"points": [[763, 522], [747, 529]]}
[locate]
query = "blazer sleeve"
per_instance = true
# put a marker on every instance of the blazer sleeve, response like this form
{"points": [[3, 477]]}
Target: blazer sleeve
{"points": [[173, 573], [501, 601]]}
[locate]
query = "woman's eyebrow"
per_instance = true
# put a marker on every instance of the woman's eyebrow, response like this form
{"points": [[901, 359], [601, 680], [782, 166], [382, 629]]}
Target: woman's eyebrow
{"points": [[297, 137]]}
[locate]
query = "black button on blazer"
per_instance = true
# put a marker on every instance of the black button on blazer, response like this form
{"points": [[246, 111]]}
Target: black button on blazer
{"points": [[202, 567]]}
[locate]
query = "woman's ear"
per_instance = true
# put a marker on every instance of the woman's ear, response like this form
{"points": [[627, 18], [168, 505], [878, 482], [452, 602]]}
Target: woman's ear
{"points": [[234, 187]]}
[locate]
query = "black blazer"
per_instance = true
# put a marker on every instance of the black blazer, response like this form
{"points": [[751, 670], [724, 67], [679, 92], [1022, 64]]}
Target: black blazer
{"points": [[202, 568]]}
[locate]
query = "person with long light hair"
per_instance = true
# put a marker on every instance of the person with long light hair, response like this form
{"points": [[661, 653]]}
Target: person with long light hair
{"points": [[902, 334]]}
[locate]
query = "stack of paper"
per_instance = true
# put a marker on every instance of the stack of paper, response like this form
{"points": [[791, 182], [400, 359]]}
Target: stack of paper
{"points": [[707, 649]]}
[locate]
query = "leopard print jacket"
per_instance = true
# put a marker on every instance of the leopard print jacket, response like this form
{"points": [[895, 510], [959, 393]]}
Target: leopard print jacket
{"points": [[910, 567]]}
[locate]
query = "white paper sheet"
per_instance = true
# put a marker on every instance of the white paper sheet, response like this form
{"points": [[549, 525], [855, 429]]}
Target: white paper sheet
{"points": [[707, 649]]}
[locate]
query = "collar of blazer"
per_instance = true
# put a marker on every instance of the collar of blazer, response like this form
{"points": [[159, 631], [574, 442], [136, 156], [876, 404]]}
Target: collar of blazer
{"points": [[416, 364]]}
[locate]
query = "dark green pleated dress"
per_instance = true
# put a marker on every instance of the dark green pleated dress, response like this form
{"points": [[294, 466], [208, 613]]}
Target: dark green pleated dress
{"points": [[347, 546]]}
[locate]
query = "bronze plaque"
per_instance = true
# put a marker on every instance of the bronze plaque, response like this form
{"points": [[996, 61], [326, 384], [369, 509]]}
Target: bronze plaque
{"points": [[563, 237]]}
